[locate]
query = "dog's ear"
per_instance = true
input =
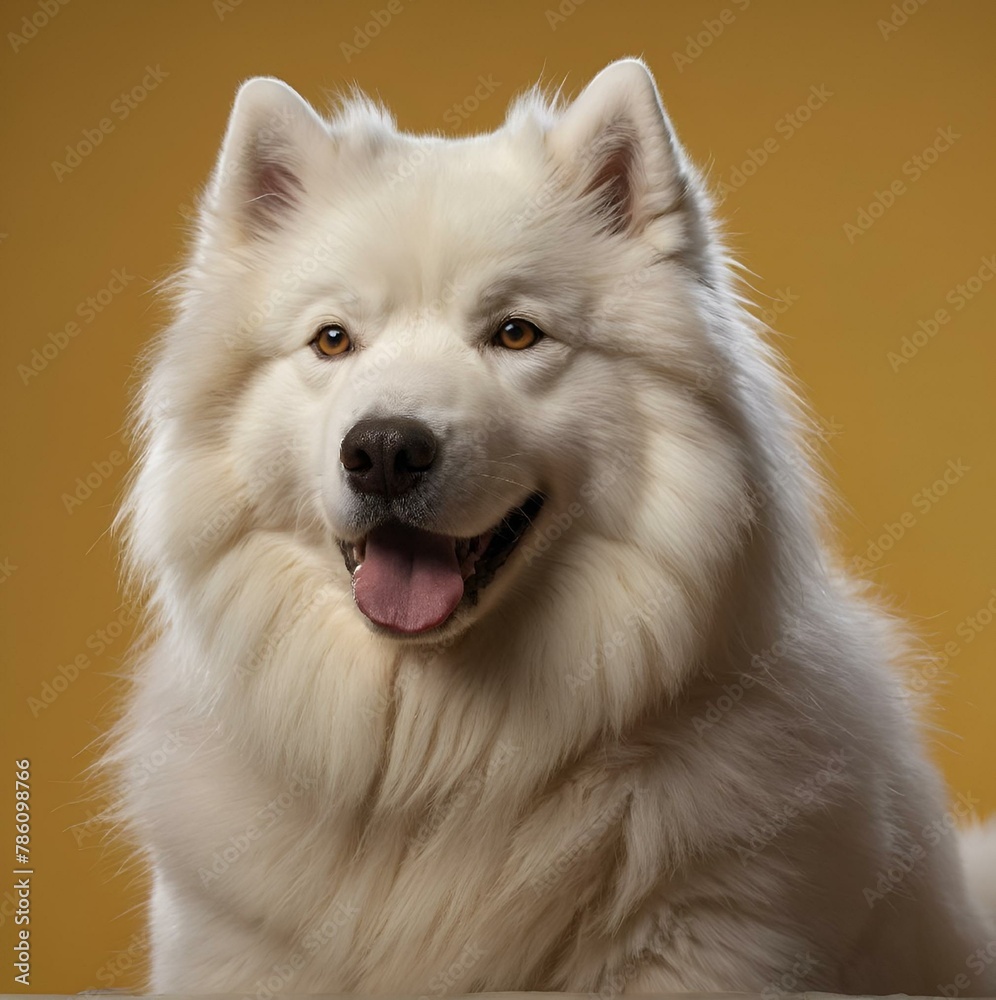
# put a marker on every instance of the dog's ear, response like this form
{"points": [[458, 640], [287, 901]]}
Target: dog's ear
{"points": [[274, 137], [616, 144]]}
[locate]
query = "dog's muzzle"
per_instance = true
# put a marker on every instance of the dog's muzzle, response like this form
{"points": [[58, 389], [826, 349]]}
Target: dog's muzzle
{"points": [[405, 579]]}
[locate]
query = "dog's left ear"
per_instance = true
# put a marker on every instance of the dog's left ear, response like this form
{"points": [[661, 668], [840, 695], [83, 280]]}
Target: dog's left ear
{"points": [[616, 143], [274, 139]]}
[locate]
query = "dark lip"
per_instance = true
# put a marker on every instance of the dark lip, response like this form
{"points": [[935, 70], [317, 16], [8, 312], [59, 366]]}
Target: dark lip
{"points": [[504, 539]]}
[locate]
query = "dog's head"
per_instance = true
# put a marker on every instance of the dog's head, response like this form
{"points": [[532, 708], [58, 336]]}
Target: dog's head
{"points": [[460, 374]]}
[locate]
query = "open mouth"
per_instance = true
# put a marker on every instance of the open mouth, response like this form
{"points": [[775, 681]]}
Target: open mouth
{"points": [[410, 581]]}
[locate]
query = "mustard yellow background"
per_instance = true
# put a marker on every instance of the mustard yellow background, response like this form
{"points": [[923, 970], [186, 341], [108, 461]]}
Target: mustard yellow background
{"points": [[884, 82]]}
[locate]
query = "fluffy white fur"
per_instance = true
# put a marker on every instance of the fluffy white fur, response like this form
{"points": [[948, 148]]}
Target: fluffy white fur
{"points": [[668, 750]]}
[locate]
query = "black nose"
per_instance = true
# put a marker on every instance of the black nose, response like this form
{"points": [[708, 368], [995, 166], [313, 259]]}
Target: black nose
{"points": [[386, 456]]}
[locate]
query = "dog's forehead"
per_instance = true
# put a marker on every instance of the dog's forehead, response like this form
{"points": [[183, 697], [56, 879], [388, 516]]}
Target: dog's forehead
{"points": [[475, 190], [443, 214]]}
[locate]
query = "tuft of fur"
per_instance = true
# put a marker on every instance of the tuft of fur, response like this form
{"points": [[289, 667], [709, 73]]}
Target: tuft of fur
{"points": [[667, 749], [978, 854]]}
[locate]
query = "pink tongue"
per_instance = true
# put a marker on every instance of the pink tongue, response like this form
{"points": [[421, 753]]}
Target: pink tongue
{"points": [[409, 580]]}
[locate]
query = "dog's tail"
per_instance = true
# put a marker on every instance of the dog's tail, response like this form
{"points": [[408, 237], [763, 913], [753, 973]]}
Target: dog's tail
{"points": [[978, 859]]}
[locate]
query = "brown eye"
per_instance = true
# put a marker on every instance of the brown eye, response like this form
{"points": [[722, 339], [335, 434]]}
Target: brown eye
{"points": [[331, 340], [517, 335]]}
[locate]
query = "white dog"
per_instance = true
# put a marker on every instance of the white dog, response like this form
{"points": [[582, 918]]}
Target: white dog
{"points": [[493, 640]]}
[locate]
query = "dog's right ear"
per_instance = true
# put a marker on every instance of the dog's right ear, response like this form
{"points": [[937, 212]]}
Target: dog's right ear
{"points": [[616, 140], [274, 139]]}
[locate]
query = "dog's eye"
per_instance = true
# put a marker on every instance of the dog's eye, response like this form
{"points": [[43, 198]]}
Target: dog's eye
{"points": [[331, 340], [517, 335]]}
